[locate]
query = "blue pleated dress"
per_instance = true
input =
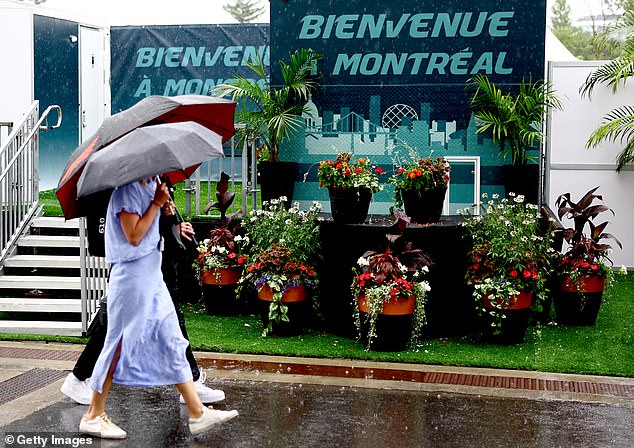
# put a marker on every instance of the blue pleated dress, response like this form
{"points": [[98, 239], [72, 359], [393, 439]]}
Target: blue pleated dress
{"points": [[141, 313]]}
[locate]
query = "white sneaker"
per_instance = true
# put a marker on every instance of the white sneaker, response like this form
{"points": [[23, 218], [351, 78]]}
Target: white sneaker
{"points": [[206, 394], [101, 426], [210, 417], [77, 390]]}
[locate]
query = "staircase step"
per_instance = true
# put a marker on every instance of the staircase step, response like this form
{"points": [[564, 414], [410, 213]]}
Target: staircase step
{"points": [[55, 223], [20, 304], [56, 328], [43, 261], [41, 282], [48, 241]]}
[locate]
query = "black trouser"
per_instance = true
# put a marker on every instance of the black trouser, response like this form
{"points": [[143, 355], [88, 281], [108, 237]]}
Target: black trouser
{"points": [[88, 358]]}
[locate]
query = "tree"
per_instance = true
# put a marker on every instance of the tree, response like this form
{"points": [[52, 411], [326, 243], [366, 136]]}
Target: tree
{"points": [[561, 15], [244, 10], [618, 124], [271, 114]]}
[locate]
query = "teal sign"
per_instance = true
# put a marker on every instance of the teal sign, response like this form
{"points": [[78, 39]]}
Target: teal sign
{"points": [[394, 76]]}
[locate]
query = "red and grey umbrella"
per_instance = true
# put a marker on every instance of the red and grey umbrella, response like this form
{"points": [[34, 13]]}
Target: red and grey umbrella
{"points": [[213, 113]]}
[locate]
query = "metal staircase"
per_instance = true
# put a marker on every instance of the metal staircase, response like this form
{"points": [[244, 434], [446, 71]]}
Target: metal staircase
{"points": [[49, 284]]}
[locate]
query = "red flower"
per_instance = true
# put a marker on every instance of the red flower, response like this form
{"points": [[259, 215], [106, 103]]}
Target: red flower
{"points": [[231, 255], [514, 273], [585, 265], [378, 170], [358, 171], [411, 174], [476, 266], [595, 267], [526, 273], [338, 166], [400, 171]]}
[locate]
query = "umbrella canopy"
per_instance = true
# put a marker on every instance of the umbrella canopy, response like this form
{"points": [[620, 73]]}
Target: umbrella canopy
{"points": [[213, 113], [174, 149]]}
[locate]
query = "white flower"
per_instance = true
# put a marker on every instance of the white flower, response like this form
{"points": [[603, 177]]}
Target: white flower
{"points": [[623, 270], [519, 199], [363, 261], [496, 196], [401, 267], [288, 222], [425, 286]]}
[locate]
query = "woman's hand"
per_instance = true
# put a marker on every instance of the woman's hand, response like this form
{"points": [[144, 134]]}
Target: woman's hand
{"points": [[162, 194], [186, 230]]}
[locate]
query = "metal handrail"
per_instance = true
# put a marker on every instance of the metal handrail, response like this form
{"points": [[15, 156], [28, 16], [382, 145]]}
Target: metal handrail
{"points": [[19, 176]]}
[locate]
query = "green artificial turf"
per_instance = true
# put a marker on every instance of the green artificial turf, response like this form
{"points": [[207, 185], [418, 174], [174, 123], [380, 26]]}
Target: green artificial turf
{"points": [[607, 348]]}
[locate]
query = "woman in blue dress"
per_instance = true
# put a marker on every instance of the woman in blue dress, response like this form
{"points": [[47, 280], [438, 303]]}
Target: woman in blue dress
{"points": [[144, 345]]}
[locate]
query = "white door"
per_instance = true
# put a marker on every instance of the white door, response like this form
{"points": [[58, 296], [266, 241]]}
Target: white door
{"points": [[91, 80]]}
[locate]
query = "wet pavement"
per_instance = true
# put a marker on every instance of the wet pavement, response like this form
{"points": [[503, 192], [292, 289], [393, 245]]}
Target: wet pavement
{"points": [[291, 402]]}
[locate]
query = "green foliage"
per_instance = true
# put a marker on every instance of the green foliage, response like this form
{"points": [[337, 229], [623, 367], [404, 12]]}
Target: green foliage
{"points": [[618, 124], [344, 172], [561, 15], [271, 114], [513, 119], [508, 255], [244, 11]]}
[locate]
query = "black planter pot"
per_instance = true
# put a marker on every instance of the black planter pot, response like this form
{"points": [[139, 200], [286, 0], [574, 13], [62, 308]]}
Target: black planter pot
{"points": [[298, 316], [349, 205], [522, 179], [577, 308], [393, 333], [222, 300], [513, 329], [424, 207], [277, 179]]}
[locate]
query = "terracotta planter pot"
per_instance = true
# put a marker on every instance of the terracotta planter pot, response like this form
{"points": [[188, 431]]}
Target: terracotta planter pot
{"points": [[220, 276], [578, 302], [295, 298], [514, 323], [292, 294], [523, 301], [424, 207], [398, 306], [393, 326]]}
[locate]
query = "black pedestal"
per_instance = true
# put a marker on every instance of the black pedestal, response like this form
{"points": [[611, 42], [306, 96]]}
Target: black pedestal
{"points": [[450, 308]]}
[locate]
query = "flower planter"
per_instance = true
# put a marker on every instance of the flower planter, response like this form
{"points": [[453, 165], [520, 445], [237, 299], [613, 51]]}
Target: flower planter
{"points": [[295, 298], [578, 302], [393, 326], [220, 276], [424, 207], [514, 322], [219, 291], [349, 205]]}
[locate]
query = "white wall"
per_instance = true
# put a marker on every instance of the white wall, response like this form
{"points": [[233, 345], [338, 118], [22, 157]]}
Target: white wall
{"points": [[16, 75], [570, 167]]}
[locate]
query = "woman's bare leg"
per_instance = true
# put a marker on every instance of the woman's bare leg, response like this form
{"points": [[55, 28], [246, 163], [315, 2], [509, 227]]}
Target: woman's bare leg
{"points": [[98, 402], [194, 405]]}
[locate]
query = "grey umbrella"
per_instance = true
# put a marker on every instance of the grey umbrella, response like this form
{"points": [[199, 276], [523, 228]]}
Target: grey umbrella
{"points": [[174, 149]]}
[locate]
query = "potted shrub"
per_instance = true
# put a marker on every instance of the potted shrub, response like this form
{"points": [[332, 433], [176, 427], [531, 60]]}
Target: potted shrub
{"points": [[509, 265], [585, 266], [272, 114], [420, 186], [514, 120], [390, 293], [283, 248], [350, 186]]}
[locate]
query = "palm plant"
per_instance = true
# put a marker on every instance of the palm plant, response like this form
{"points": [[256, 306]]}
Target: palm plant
{"points": [[514, 120], [618, 123], [271, 114]]}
